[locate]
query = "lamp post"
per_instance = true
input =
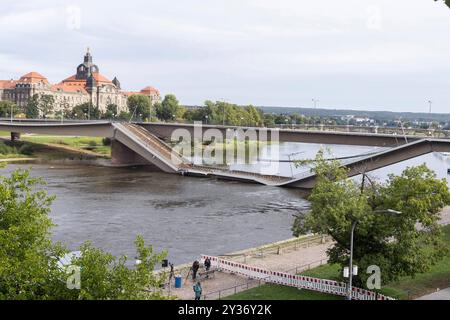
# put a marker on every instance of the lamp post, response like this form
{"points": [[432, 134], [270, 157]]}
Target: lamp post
{"points": [[315, 101], [223, 111], [12, 112], [290, 160], [350, 266]]}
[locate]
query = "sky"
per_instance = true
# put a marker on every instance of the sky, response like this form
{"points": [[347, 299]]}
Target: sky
{"points": [[358, 54]]}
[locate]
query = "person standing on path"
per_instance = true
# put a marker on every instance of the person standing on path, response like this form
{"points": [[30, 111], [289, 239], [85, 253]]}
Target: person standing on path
{"points": [[172, 273], [195, 267], [198, 290], [207, 264]]}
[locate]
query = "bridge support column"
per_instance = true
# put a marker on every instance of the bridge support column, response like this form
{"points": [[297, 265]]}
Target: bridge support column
{"points": [[15, 136], [121, 155]]}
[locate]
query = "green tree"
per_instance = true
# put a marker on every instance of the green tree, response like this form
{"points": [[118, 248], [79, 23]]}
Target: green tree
{"points": [[447, 2], [111, 112], [168, 109], [5, 108], [391, 242], [139, 106], [46, 104], [29, 266], [32, 108], [25, 249], [82, 111]]}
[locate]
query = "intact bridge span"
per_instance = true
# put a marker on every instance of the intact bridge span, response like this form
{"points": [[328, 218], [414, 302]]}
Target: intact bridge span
{"points": [[143, 143]]}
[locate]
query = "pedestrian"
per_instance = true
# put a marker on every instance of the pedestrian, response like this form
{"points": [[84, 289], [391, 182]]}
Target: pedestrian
{"points": [[198, 290], [207, 264], [171, 274], [195, 267]]}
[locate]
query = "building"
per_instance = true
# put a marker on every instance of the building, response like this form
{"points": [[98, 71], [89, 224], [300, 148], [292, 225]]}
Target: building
{"points": [[87, 85]]}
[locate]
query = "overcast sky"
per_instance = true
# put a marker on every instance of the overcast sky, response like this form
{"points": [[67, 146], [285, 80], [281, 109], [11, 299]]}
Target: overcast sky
{"points": [[375, 54]]}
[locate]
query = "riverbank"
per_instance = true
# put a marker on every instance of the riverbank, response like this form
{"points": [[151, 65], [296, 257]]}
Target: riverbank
{"points": [[26, 150]]}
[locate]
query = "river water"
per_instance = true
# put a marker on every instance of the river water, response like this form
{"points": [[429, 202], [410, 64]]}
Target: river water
{"points": [[185, 215]]}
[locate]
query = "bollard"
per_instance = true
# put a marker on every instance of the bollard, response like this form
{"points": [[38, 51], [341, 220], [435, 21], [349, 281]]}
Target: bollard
{"points": [[15, 136]]}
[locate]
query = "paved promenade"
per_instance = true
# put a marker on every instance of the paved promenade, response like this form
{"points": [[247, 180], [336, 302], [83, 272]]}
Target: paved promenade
{"points": [[439, 295], [287, 260]]}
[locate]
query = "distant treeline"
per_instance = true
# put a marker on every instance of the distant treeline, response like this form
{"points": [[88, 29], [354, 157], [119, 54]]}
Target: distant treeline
{"points": [[377, 115]]}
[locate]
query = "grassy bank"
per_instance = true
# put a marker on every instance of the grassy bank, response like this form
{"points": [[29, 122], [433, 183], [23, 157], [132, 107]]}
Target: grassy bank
{"points": [[12, 151], [47, 151], [405, 288], [94, 144]]}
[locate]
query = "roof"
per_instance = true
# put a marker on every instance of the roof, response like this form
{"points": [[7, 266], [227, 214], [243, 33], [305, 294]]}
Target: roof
{"points": [[33, 77], [69, 88], [7, 84], [149, 90]]}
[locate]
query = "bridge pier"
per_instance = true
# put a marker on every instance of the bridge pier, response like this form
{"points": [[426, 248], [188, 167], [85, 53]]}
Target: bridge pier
{"points": [[15, 136], [121, 155]]}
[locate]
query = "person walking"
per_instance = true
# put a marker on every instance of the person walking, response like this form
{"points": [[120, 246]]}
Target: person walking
{"points": [[207, 264], [198, 290], [195, 267]]}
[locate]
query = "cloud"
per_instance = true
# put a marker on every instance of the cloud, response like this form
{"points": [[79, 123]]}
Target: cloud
{"points": [[250, 51]]}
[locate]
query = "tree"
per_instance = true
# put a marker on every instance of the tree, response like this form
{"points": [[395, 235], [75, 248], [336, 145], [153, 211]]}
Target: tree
{"points": [[168, 109], [391, 242], [32, 108], [82, 111], [46, 104], [139, 106], [447, 2], [6, 107], [111, 111], [29, 266], [25, 249]]}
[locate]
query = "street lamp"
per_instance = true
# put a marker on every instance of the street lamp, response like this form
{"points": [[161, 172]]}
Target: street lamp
{"points": [[315, 101], [206, 119], [223, 112], [290, 160], [350, 266]]}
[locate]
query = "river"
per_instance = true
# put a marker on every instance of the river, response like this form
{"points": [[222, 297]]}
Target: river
{"points": [[186, 216]]}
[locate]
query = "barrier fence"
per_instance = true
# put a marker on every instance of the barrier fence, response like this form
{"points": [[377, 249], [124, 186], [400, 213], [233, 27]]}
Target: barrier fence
{"points": [[297, 281]]}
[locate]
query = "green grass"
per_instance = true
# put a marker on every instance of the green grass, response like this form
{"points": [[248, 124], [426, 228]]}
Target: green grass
{"points": [[421, 284], [405, 288], [277, 292], [94, 144]]}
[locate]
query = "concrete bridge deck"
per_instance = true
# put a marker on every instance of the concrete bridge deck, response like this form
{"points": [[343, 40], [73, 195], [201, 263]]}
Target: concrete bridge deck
{"points": [[143, 141], [165, 130]]}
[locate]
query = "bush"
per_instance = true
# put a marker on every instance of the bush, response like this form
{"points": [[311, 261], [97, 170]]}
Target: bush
{"points": [[106, 141], [3, 148], [26, 149], [92, 143]]}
